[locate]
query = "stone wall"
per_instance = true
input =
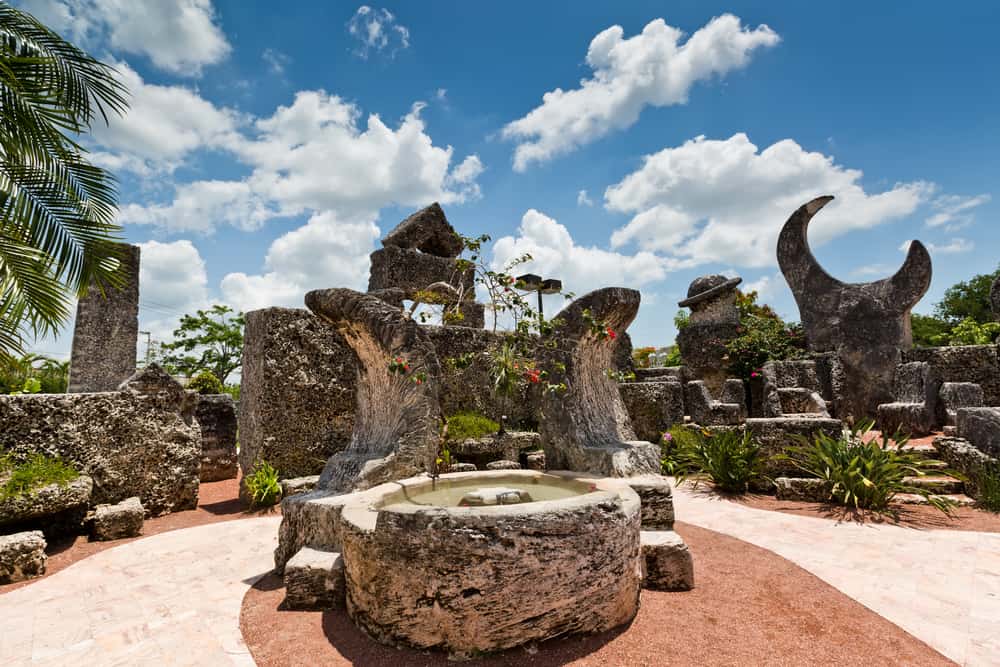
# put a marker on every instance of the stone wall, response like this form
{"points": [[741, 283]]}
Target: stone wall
{"points": [[216, 415], [139, 441], [106, 333], [964, 363], [297, 393]]}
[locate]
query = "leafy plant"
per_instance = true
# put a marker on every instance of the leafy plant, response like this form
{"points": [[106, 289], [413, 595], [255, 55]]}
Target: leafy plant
{"points": [[33, 473], [58, 236], [970, 332], [262, 485], [671, 441], [762, 337], [205, 382], [22, 375], [864, 473], [730, 458], [466, 425], [209, 340]]}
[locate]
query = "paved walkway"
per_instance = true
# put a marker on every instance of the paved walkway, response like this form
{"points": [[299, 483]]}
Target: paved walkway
{"points": [[168, 599], [940, 586]]}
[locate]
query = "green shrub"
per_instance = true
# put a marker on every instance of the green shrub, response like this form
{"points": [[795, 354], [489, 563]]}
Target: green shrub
{"points": [[730, 458], [864, 475], [262, 485], [33, 473], [989, 488], [233, 390], [205, 382], [470, 425]]}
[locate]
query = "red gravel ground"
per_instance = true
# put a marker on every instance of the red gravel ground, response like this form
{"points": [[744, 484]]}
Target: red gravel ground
{"points": [[749, 607], [217, 501]]}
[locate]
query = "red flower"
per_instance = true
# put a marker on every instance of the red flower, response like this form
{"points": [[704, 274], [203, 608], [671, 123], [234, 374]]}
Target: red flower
{"points": [[611, 333]]}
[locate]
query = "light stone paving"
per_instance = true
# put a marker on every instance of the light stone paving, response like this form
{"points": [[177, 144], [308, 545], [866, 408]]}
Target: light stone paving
{"points": [[942, 586], [168, 599]]}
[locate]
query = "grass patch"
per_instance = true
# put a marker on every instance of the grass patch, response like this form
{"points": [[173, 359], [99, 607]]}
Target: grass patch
{"points": [[38, 470], [989, 488], [466, 425]]}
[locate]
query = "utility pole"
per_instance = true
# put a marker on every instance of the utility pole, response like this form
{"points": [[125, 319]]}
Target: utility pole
{"points": [[149, 345]]}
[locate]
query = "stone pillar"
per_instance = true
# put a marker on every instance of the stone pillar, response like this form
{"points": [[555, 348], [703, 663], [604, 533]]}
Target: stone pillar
{"points": [[715, 320], [106, 333]]}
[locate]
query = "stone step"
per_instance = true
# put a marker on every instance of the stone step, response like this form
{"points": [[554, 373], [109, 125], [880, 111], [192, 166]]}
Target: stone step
{"points": [[936, 483], [935, 464], [960, 499], [666, 561], [314, 580]]}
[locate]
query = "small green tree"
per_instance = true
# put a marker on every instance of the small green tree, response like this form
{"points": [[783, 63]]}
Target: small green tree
{"points": [[969, 299], [210, 340]]}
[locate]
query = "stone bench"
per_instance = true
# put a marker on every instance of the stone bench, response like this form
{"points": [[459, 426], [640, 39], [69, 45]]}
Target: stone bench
{"points": [[116, 522], [22, 556], [666, 561], [314, 580], [56, 508]]}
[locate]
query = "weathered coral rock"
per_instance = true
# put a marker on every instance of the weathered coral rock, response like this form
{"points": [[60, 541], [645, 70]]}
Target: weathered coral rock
{"points": [[535, 461], [106, 332], [962, 456], [428, 231], [297, 485], [22, 556], [397, 418], [955, 395], [53, 499], [142, 440], [706, 411], [802, 488], [467, 580], [297, 392], [314, 580], [714, 321], [653, 407], [412, 271], [216, 414], [981, 427], [462, 467], [666, 562], [964, 363], [116, 522], [657, 501], [776, 434], [915, 411], [665, 374], [866, 324], [503, 465], [586, 428], [507, 445]]}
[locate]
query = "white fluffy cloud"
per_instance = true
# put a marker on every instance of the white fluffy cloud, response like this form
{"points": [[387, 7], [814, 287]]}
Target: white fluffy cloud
{"points": [[723, 201], [583, 199], [326, 252], [955, 210], [953, 247], [649, 69], [178, 36], [163, 125], [172, 282], [582, 269], [377, 31], [200, 206]]}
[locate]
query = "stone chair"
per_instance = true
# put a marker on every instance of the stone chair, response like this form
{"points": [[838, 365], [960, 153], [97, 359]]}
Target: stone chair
{"points": [[706, 411], [953, 396], [916, 387], [789, 389]]}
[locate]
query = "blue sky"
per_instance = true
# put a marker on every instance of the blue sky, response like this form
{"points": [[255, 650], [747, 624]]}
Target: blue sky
{"points": [[270, 145]]}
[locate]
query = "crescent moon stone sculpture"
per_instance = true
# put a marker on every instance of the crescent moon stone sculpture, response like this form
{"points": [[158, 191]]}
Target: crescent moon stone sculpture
{"points": [[866, 324]]}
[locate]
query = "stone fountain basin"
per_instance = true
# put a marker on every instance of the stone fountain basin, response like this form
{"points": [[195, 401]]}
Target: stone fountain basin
{"points": [[487, 578]]}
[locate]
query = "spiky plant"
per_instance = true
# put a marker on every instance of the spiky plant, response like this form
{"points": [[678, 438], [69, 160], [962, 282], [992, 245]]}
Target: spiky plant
{"points": [[57, 232]]}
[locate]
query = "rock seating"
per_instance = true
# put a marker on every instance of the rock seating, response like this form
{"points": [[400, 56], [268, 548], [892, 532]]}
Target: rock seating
{"points": [[789, 389], [915, 411], [706, 411], [116, 522], [22, 556], [981, 427], [955, 395], [57, 507], [314, 580], [653, 407], [666, 561]]}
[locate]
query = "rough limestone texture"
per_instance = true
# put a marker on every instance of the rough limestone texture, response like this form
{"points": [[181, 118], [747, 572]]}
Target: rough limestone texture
{"points": [[776, 434], [314, 580], [297, 485], [116, 522], [916, 386], [463, 467], [503, 465], [587, 428], [656, 499], [534, 460], [397, 416], [297, 392], [964, 363], [428, 231], [22, 556], [47, 501], [981, 427], [666, 562], [474, 580], [802, 488], [106, 332], [507, 445], [413, 271], [706, 411], [141, 440], [714, 321], [866, 324], [216, 414], [309, 519], [962, 456], [653, 407], [955, 395]]}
